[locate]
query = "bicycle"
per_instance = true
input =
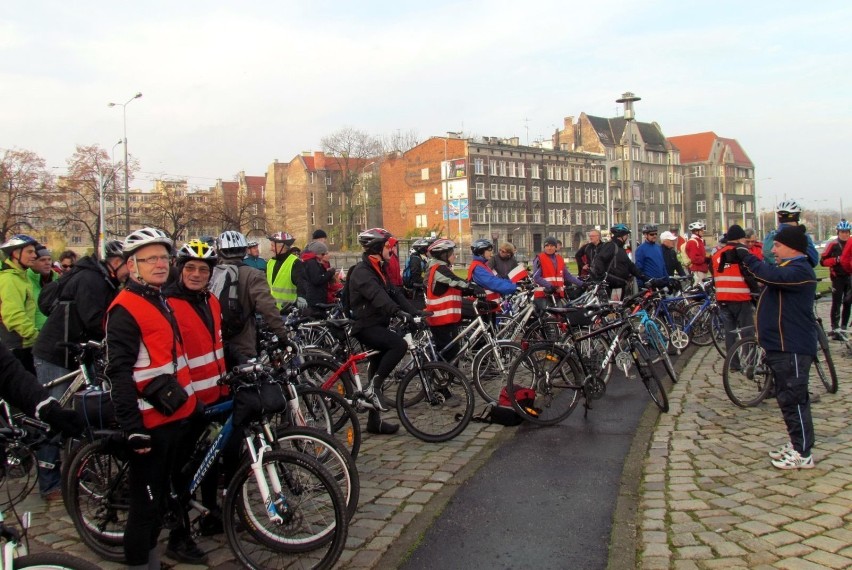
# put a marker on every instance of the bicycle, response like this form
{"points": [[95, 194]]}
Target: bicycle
{"points": [[746, 376], [279, 506], [823, 363]]}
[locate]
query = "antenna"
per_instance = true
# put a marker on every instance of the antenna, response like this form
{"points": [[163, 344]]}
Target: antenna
{"points": [[527, 127]]}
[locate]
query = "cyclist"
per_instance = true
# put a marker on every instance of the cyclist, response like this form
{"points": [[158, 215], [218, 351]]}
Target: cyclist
{"points": [[586, 254], [17, 302], [696, 250], [612, 262], [649, 254], [373, 301], [788, 213], [252, 258], [416, 265], [318, 277], [41, 273], [670, 258], [550, 273], [505, 264], [151, 388], [478, 272], [284, 272], [841, 280], [733, 289]]}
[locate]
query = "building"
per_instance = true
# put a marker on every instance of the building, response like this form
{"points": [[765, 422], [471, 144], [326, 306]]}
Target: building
{"points": [[717, 181], [494, 188]]}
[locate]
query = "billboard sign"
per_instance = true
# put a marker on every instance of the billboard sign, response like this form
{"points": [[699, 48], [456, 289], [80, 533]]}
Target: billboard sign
{"points": [[455, 168], [458, 209]]}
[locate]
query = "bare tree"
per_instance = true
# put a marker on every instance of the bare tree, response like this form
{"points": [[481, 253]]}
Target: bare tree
{"points": [[354, 153], [400, 141], [24, 180], [175, 210], [235, 208]]}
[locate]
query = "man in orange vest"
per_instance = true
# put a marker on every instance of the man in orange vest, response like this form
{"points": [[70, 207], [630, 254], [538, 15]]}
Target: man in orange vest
{"points": [[151, 388], [733, 291], [550, 273]]}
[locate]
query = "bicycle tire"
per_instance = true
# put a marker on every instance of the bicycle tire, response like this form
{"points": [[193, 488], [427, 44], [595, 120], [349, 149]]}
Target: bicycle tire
{"points": [[748, 383], [648, 374], [97, 498], [660, 347], [343, 423], [53, 561], [313, 532], [535, 369], [700, 331], [824, 364], [317, 337], [545, 329], [331, 454], [490, 371], [592, 352], [438, 419], [314, 371], [718, 332]]}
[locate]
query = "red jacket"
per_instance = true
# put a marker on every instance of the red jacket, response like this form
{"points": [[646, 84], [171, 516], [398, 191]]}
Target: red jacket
{"points": [[846, 257], [697, 254], [832, 258]]}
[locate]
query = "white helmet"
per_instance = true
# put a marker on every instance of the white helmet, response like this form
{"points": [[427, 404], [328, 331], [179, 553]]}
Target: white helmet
{"points": [[697, 226], [143, 237], [232, 240], [789, 206]]}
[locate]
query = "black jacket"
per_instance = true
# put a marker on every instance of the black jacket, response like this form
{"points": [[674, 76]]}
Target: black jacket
{"points": [[19, 387], [89, 291], [316, 280], [673, 264], [418, 264], [373, 300], [613, 261]]}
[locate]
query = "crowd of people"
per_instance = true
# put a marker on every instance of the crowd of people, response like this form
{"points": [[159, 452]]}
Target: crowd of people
{"points": [[173, 320]]}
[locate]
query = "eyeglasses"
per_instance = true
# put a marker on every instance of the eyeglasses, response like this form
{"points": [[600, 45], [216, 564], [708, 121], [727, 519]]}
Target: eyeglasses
{"points": [[66, 266], [154, 259], [652, 233], [203, 269]]}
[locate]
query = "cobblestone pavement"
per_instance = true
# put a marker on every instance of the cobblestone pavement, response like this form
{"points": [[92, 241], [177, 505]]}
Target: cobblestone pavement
{"points": [[710, 497]]}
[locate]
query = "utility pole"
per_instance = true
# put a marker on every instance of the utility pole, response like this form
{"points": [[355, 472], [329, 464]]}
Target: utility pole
{"points": [[628, 99]]}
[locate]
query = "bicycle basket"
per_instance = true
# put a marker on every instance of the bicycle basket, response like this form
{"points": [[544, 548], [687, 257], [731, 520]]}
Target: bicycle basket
{"points": [[95, 406], [254, 401]]}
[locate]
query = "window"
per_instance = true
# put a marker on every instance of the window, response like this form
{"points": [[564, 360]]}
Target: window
{"points": [[536, 216], [504, 192], [502, 168], [341, 199], [330, 219], [558, 195], [513, 191], [419, 199], [522, 193], [330, 198], [662, 197], [578, 195], [534, 171], [557, 173], [328, 180], [550, 193], [587, 194], [480, 191], [576, 174], [493, 191], [424, 174], [420, 221], [731, 206], [697, 170], [478, 166], [566, 173], [312, 177], [548, 171], [701, 206], [536, 194], [522, 170], [313, 219], [312, 199], [551, 217], [492, 167], [513, 169]]}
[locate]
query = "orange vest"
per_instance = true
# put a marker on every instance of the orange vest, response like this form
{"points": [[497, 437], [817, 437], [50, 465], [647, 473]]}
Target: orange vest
{"points": [[553, 275], [204, 350], [730, 285], [490, 295], [160, 352], [447, 308]]}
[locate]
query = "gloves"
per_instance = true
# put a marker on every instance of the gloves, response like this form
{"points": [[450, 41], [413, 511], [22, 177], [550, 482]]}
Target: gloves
{"points": [[477, 290], [741, 251], [68, 422], [550, 290], [403, 316], [138, 440], [301, 303]]}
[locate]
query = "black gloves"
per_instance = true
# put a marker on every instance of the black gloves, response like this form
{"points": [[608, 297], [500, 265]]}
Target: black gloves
{"points": [[138, 440], [550, 290], [741, 252], [68, 422], [404, 317], [477, 290]]}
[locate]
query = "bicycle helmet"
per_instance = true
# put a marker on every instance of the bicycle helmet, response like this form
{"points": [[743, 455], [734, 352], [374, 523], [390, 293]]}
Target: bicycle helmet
{"points": [[789, 207], [283, 237], [421, 245], [197, 249], [232, 244], [374, 239], [442, 248], [695, 226], [619, 230], [113, 248], [480, 246], [251, 243], [844, 226], [550, 240], [146, 236], [649, 229], [17, 241]]}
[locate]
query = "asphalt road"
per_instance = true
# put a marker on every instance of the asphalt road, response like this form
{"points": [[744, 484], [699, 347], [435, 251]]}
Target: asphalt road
{"points": [[546, 497]]}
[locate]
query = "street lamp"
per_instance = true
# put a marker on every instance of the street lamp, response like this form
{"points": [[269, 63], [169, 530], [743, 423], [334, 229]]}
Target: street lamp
{"points": [[488, 213], [126, 172], [756, 205], [628, 99]]}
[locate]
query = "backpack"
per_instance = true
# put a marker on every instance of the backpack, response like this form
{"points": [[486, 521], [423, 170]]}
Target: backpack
{"points": [[51, 294], [224, 284], [406, 273], [682, 256], [344, 295]]}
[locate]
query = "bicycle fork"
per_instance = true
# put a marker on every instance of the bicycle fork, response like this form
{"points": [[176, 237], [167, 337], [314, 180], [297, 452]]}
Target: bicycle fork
{"points": [[275, 502]]}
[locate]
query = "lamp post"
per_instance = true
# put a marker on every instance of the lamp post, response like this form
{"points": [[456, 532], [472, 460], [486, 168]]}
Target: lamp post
{"points": [[628, 99], [756, 205], [488, 213], [126, 170]]}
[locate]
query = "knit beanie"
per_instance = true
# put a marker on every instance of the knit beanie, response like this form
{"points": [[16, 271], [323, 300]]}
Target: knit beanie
{"points": [[735, 232], [317, 248], [793, 237]]}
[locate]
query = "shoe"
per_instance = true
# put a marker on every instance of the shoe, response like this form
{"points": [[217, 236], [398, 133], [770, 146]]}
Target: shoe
{"points": [[211, 525], [371, 394], [376, 425], [185, 550], [779, 453], [794, 461], [54, 495]]}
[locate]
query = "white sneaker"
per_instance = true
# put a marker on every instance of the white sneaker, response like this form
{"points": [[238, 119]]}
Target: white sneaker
{"points": [[794, 461], [781, 451], [373, 399]]}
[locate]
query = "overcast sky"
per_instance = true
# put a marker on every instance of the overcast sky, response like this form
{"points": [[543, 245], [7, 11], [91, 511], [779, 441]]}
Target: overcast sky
{"points": [[231, 86]]}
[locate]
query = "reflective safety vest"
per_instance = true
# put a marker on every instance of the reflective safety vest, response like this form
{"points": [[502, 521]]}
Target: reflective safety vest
{"points": [[447, 308], [553, 275], [204, 351], [730, 285], [160, 352], [518, 273], [490, 296], [281, 283]]}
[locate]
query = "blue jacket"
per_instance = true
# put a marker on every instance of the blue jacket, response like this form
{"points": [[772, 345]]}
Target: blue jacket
{"points": [[785, 310], [768, 242], [490, 281], [649, 259]]}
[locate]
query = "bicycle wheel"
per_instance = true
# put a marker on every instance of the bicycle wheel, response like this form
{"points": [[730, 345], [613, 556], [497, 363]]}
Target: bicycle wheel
{"points": [[317, 336], [304, 525], [824, 364], [443, 412], [53, 561], [314, 371], [549, 328], [556, 378], [649, 375], [330, 454], [98, 498], [700, 333], [745, 375], [659, 347], [330, 412], [718, 331], [491, 367], [592, 352]]}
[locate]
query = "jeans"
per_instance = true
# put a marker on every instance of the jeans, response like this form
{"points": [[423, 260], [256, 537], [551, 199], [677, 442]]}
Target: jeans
{"points": [[791, 391], [49, 479], [736, 315]]}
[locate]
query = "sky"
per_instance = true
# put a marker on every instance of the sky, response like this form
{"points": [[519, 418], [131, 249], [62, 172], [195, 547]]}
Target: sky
{"points": [[232, 86]]}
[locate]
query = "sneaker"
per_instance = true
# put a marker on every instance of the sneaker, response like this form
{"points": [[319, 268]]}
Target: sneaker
{"points": [[794, 461], [53, 495], [185, 550], [372, 398], [779, 453]]}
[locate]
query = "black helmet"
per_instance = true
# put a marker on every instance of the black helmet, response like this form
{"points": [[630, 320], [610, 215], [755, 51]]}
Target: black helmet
{"points": [[619, 230], [480, 246], [374, 239], [649, 229], [422, 244]]}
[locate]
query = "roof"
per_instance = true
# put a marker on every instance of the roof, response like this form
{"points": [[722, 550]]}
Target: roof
{"points": [[694, 148], [610, 132], [740, 157]]}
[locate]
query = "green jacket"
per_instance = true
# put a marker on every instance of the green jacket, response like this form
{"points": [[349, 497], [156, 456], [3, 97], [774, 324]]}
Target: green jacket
{"points": [[35, 279], [17, 307]]}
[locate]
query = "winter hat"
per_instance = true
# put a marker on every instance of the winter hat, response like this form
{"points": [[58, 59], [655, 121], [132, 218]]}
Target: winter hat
{"points": [[319, 234], [42, 251], [735, 232], [793, 237], [317, 248]]}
